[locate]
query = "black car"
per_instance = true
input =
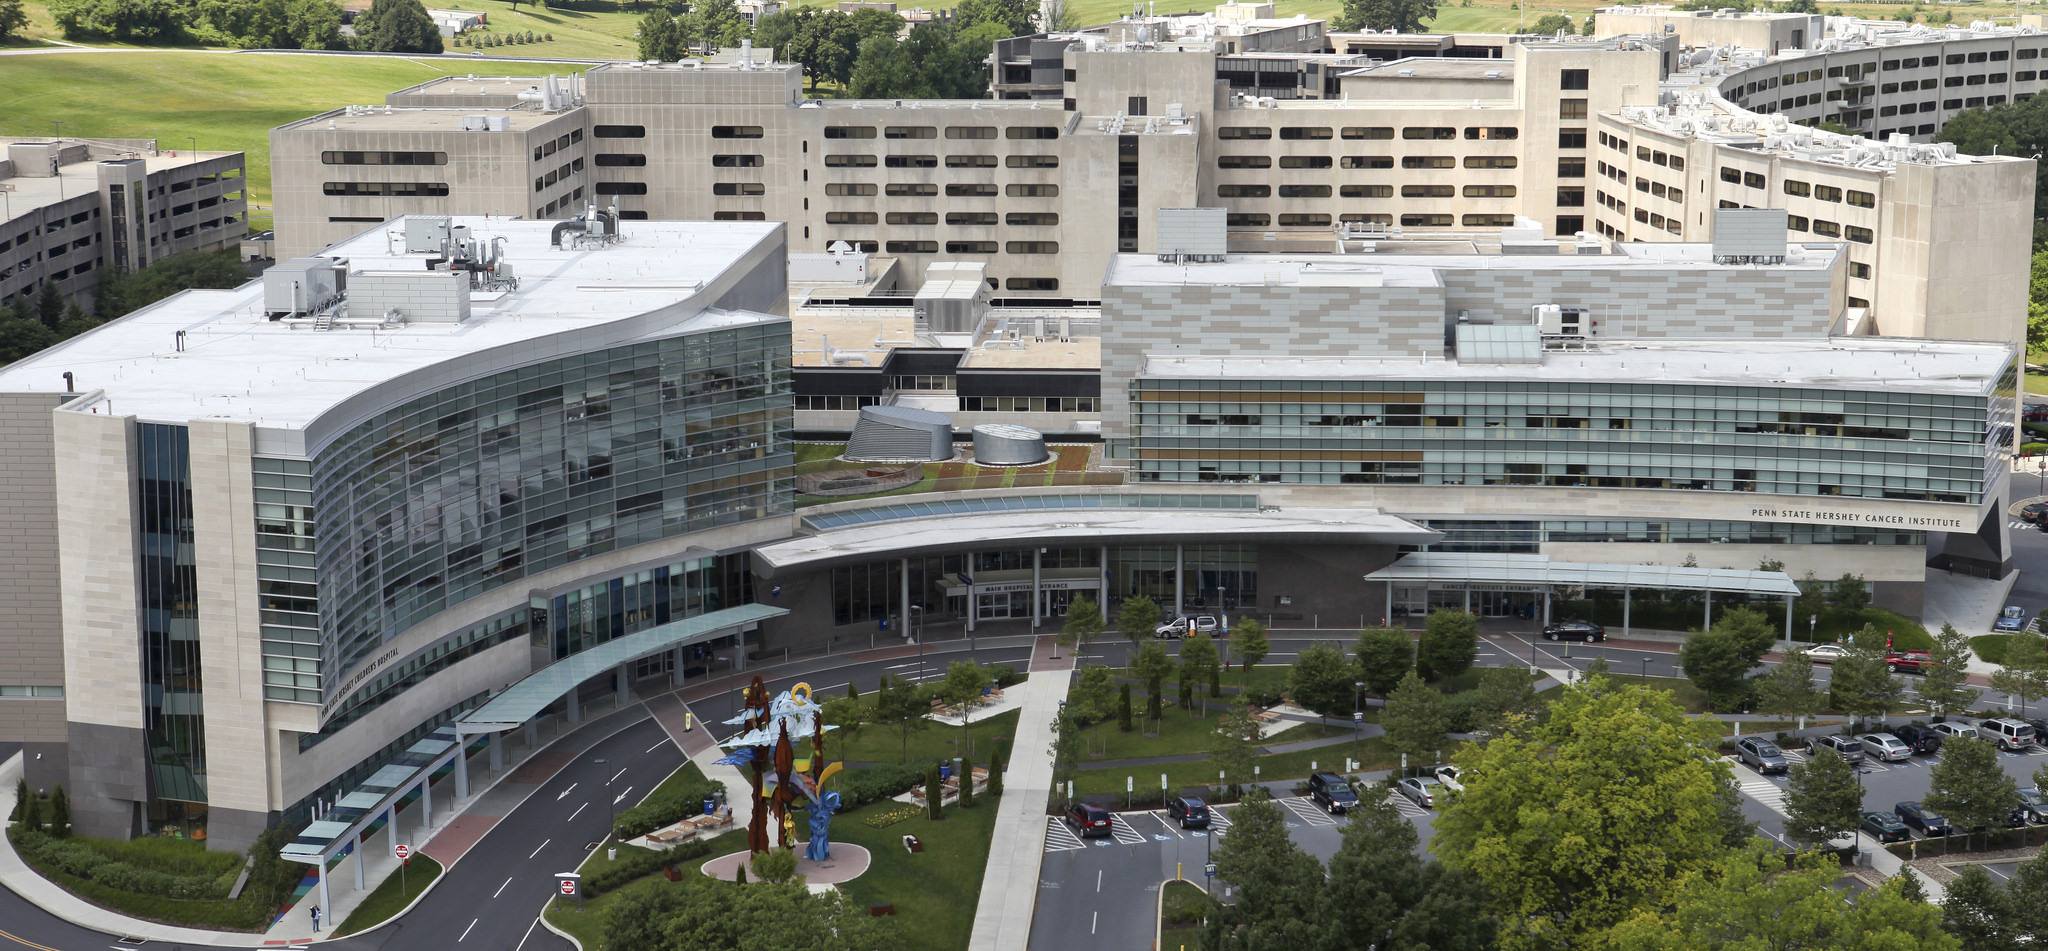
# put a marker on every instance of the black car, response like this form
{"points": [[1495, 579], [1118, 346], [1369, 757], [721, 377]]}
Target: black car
{"points": [[1331, 792], [1885, 827], [1190, 812], [1089, 819], [1574, 629], [1919, 737], [2034, 512], [1917, 816], [2034, 805]]}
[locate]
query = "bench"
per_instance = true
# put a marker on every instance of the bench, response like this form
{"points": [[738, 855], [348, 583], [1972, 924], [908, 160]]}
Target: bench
{"points": [[672, 836]]}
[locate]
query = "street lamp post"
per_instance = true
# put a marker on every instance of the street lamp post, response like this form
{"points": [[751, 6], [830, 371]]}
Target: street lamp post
{"points": [[1357, 715], [917, 633], [195, 144]]}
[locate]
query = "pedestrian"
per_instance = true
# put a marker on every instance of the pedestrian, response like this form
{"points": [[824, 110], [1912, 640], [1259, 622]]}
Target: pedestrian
{"points": [[315, 910]]}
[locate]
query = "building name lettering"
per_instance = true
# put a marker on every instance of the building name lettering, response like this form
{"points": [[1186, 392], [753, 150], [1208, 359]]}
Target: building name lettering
{"points": [[1861, 518], [361, 675]]}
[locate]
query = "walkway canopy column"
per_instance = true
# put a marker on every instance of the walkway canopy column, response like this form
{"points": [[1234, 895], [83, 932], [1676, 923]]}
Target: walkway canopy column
{"points": [[1180, 594], [1788, 617], [1037, 597], [1624, 610], [1709, 620]]}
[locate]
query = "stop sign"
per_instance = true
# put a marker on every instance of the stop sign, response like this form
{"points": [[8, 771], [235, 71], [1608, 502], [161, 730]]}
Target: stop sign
{"points": [[569, 887], [401, 852]]}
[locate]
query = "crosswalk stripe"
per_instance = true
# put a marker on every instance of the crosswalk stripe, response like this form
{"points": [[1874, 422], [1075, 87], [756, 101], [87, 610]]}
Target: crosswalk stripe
{"points": [[1059, 838], [1123, 831], [1308, 811]]}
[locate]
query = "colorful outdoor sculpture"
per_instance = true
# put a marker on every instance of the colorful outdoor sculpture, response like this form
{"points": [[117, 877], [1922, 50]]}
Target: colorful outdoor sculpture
{"points": [[767, 742]]}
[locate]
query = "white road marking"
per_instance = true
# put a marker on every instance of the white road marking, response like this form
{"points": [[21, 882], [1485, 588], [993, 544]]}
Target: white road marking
{"points": [[615, 776], [564, 793], [1121, 828], [1093, 916], [465, 931], [529, 934], [536, 851], [1059, 838], [578, 812], [1098, 880], [1308, 811], [653, 748], [622, 796], [1768, 793], [501, 889]]}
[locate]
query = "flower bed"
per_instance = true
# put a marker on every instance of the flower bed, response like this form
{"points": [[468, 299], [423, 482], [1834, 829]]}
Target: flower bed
{"points": [[889, 817]]}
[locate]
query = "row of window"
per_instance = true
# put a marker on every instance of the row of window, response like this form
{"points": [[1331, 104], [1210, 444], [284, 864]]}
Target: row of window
{"points": [[958, 190], [852, 160], [558, 175], [1319, 133], [387, 189], [1031, 219], [1017, 132], [932, 247], [1027, 404], [387, 158], [1365, 191], [1317, 220], [546, 149], [1830, 229]]}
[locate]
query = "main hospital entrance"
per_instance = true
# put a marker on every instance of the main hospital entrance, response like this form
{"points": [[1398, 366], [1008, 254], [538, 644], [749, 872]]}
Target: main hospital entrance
{"points": [[1492, 600], [1526, 586], [999, 585]]}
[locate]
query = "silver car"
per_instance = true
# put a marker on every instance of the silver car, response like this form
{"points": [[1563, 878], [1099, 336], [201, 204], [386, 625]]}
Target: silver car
{"points": [[1423, 790], [1845, 747], [1885, 748]]}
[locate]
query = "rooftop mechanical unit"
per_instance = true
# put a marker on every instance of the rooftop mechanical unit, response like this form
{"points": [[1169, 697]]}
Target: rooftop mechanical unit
{"points": [[900, 434], [1007, 444]]}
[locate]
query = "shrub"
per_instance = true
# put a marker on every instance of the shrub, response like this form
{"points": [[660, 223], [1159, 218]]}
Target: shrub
{"points": [[639, 865], [1462, 711], [667, 805], [1004, 675], [858, 787]]}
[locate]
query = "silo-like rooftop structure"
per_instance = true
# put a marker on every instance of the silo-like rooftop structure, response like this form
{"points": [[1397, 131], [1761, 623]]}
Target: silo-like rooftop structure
{"points": [[1007, 444], [900, 434]]}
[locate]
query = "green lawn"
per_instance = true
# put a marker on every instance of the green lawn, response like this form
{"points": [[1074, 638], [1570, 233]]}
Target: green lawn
{"points": [[1371, 751], [391, 896], [1182, 906], [224, 101], [1692, 698], [884, 744], [1991, 648], [587, 925]]}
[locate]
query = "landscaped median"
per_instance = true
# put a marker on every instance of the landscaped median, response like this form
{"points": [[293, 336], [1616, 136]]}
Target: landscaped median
{"points": [[392, 896], [172, 881], [1182, 906]]}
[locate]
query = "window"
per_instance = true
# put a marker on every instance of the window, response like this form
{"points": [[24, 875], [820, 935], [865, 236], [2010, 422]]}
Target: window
{"points": [[619, 131], [2029, 54], [1425, 221], [747, 189], [1428, 161], [1368, 161], [912, 218], [1429, 132], [970, 247], [1571, 108], [1859, 270], [1859, 235], [1032, 247], [849, 132], [1571, 138], [2024, 76], [1828, 228], [1366, 219], [1827, 193], [1032, 218], [1032, 161], [1487, 221], [1977, 57], [850, 189], [1135, 106], [1427, 191], [739, 216], [736, 132], [1248, 220], [858, 244], [1798, 188], [1032, 132], [970, 161], [970, 217], [737, 161], [1500, 191], [1485, 133], [1366, 191], [849, 161], [1795, 223], [970, 132], [618, 160], [395, 189], [1032, 284], [1243, 161], [970, 191], [1032, 191], [1571, 197], [1244, 191], [1304, 191], [1732, 176], [909, 132], [850, 217], [1304, 161], [1754, 180], [1368, 132], [621, 188], [1305, 220], [384, 158], [910, 189], [1566, 167], [1574, 79], [1862, 199], [1244, 132], [1300, 133], [911, 161], [912, 247]]}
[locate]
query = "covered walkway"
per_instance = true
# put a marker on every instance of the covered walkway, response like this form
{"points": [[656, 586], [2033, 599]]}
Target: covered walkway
{"points": [[1466, 571]]}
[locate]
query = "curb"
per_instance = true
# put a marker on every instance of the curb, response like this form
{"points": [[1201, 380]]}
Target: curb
{"points": [[1158, 913]]}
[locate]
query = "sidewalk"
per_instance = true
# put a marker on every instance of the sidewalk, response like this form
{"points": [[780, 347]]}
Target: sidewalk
{"points": [[1009, 888]]}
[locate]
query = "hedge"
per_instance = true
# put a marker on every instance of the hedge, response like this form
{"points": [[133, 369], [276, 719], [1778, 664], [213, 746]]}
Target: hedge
{"points": [[665, 806], [247, 913], [79, 859], [638, 866], [858, 787]]}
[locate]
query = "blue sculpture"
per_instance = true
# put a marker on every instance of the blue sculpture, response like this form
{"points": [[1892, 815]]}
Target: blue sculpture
{"points": [[822, 808]]}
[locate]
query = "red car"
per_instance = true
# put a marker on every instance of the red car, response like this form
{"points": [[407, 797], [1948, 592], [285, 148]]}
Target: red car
{"points": [[1911, 662]]}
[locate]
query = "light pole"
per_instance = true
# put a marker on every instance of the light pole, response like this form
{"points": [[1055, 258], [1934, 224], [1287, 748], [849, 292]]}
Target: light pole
{"points": [[195, 144], [917, 633], [1357, 715], [2041, 470]]}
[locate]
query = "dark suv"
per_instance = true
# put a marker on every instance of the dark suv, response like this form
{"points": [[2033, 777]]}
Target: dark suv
{"points": [[1919, 737], [1088, 819], [1331, 792], [1574, 629], [1190, 812]]}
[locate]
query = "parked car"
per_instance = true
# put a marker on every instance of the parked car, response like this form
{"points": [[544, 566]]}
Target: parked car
{"points": [[1190, 812], [1089, 820], [1951, 729], [1761, 755], [1885, 827], [1188, 624], [1917, 816], [2034, 804], [2008, 733], [1845, 747], [1909, 662], [2040, 730], [1884, 747], [1424, 790], [1575, 629], [1331, 792], [1826, 653], [2034, 512], [1919, 736], [2014, 617], [1448, 775]]}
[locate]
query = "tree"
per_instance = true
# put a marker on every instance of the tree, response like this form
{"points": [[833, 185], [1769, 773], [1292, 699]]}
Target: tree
{"points": [[1861, 683], [1407, 16], [1823, 800], [32, 814], [1321, 680], [12, 18], [1909, 885], [1278, 883], [1093, 697], [1058, 16], [1504, 692], [50, 305], [314, 24], [1749, 900], [1123, 708], [777, 32], [1384, 654], [967, 782], [1066, 745], [1382, 893], [1199, 661], [1978, 913], [118, 19], [1586, 26], [996, 764], [21, 798], [1849, 594], [191, 269], [1813, 596], [849, 715], [774, 866], [1083, 624], [1014, 17], [1152, 666], [934, 791], [903, 705], [717, 24], [2029, 892], [398, 26], [1250, 642], [1944, 686], [1449, 644], [1137, 618], [962, 687], [1788, 689], [1552, 23], [660, 38], [1969, 788], [1630, 790], [1234, 748], [707, 915], [2025, 673], [1718, 660], [1414, 718]]}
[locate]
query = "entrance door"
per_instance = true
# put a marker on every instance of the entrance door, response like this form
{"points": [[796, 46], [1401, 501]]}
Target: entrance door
{"points": [[1056, 603]]}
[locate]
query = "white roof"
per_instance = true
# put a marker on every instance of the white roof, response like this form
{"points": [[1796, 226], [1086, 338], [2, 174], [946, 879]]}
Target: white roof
{"points": [[1848, 363], [1420, 270], [238, 365]]}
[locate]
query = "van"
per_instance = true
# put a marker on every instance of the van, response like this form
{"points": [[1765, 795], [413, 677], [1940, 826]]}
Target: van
{"points": [[2008, 733], [1185, 625]]}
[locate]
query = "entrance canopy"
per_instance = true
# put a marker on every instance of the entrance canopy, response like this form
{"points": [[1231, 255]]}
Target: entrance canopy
{"points": [[1453, 568], [526, 699]]}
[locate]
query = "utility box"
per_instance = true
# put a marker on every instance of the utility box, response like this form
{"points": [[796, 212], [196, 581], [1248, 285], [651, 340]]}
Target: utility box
{"points": [[426, 233], [301, 286]]}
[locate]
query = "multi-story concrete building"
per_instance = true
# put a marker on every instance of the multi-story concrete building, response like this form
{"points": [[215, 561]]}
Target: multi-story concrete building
{"points": [[71, 207]]}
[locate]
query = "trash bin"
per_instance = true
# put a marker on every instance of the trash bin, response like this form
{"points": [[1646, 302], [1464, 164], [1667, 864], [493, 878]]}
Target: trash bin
{"points": [[945, 771], [710, 806]]}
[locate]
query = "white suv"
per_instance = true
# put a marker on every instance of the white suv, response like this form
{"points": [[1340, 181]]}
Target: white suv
{"points": [[2008, 733]]}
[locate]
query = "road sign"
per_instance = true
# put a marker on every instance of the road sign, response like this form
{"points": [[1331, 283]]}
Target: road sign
{"points": [[1209, 870], [401, 852], [569, 888]]}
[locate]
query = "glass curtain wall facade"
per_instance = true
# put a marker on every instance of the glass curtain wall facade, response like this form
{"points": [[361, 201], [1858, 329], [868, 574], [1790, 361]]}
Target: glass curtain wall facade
{"points": [[1792, 441], [868, 593], [173, 693], [586, 617], [1466, 535], [484, 483], [287, 579]]}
